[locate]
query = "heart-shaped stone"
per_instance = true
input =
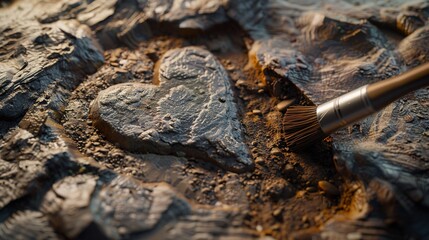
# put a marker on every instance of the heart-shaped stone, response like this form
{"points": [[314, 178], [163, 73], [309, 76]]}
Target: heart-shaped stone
{"points": [[189, 111]]}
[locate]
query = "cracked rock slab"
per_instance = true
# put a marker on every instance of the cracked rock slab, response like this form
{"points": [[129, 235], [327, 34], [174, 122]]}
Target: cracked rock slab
{"points": [[67, 201], [23, 163], [119, 207], [34, 56], [124, 207], [190, 112]]}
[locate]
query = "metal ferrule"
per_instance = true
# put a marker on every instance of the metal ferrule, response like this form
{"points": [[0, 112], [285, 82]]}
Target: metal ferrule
{"points": [[344, 110]]}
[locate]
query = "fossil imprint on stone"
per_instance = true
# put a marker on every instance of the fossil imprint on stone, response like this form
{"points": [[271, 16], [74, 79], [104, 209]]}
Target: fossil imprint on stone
{"points": [[190, 112]]}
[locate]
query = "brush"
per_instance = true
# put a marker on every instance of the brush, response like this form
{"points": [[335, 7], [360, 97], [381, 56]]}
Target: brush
{"points": [[304, 125]]}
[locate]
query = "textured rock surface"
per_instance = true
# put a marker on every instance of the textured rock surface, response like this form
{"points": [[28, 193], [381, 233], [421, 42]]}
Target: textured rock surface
{"points": [[27, 225], [77, 199], [387, 153], [34, 56], [192, 111], [277, 56], [188, 14], [29, 167], [203, 15], [44, 49], [67, 202], [26, 162], [403, 17], [61, 178], [118, 207], [137, 208], [331, 56], [413, 49], [130, 22]]}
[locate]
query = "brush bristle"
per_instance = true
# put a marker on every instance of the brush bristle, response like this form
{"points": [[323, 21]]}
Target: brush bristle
{"points": [[302, 127]]}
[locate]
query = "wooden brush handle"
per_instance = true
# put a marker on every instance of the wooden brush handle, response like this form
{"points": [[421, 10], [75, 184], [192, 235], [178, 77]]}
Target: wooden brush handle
{"points": [[385, 92]]}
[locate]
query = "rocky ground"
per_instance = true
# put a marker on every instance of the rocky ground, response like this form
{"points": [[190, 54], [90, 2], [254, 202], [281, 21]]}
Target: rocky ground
{"points": [[163, 120]]}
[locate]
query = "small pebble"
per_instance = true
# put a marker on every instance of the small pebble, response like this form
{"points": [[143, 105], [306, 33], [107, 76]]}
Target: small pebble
{"points": [[93, 138], [246, 98], [205, 190], [230, 67], [259, 160], [310, 189], [328, 188], [123, 61], [277, 212], [132, 57], [288, 169], [122, 230], [300, 194], [279, 188], [408, 118], [240, 83], [99, 155], [305, 218], [101, 150], [275, 227], [283, 105], [256, 111], [275, 151], [120, 70], [116, 153]]}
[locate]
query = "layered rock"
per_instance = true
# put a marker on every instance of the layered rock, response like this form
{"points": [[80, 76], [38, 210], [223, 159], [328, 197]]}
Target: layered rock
{"points": [[36, 56]]}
